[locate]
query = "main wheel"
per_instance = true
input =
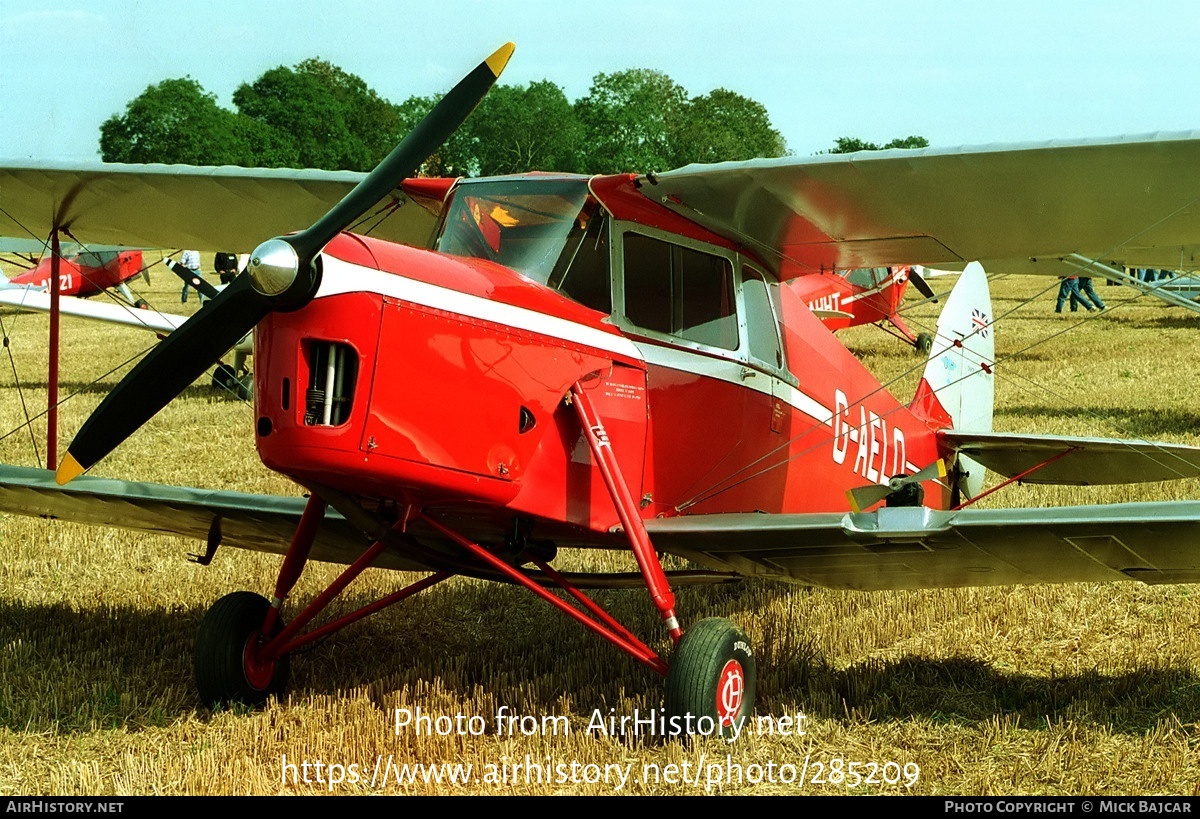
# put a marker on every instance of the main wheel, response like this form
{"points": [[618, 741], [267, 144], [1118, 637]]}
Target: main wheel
{"points": [[225, 379], [711, 678], [227, 670], [924, 343]]}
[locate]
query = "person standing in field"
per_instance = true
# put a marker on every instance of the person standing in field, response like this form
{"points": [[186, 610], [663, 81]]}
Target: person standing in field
{"points": [[1087, 292], [191, 260], [1070, 289]]}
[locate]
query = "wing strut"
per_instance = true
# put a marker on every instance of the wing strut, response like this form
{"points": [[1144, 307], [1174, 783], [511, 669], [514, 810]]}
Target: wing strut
{"points": [[627, 510]]}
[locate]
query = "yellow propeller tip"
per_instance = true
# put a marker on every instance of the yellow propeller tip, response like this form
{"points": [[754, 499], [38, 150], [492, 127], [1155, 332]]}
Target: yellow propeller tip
{"points": [[68, 470], [500, 58]]}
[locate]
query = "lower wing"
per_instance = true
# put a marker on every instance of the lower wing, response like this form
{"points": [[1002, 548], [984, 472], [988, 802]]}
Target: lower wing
{"points": [[891, 548]]}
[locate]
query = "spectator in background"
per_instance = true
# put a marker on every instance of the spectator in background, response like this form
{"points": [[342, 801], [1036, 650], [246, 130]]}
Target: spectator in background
{"points": [[191, 260], [226, 265], [1070, 289], [1087, 292]]}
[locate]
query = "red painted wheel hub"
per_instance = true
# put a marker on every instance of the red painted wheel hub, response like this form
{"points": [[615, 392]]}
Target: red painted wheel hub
{"points": [[731, 690]]}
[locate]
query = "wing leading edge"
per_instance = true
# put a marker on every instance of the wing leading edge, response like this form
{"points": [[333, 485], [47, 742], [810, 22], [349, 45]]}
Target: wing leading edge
{"points": [[172, 206]]}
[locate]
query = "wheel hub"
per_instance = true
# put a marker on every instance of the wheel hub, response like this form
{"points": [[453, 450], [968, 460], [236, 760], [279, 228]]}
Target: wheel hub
{"points": [[259, 672], [731, 692]]}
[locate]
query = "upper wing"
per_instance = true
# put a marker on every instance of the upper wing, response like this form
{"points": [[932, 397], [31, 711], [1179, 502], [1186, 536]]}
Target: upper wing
{"points": [[173, 206], [915, 547], [1016, 208]]}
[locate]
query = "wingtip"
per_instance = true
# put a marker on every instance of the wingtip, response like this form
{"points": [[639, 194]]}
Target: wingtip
{"points": [[68, 470], [500, 58]]}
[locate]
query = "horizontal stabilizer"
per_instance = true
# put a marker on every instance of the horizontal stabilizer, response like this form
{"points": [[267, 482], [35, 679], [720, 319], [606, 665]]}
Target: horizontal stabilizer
{"points": [[1067, 460]]}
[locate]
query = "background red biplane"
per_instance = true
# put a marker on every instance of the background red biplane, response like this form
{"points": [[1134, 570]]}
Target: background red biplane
{"points": [[866, 295], [556, 361]]}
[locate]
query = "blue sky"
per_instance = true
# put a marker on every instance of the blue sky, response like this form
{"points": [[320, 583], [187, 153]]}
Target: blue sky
{"points": [[955, 72]]}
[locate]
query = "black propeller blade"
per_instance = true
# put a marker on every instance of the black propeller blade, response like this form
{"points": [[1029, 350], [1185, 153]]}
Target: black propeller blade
{"points": [[282, 276], [922, 286], [204, 288]]}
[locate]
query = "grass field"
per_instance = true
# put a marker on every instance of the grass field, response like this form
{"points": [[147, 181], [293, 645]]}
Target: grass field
{"points": [[1077, 689]]}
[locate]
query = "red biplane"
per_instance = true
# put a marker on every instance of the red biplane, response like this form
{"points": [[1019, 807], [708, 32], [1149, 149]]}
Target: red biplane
{"points": [[87, 273], [865, 295], [611, 362]]}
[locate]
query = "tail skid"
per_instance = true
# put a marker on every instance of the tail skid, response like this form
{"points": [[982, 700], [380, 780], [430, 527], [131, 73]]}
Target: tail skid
{"points": [[958, 384]]}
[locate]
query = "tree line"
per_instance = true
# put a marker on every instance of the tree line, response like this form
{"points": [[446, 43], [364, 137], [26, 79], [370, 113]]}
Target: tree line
{"points": [[316, 115]]}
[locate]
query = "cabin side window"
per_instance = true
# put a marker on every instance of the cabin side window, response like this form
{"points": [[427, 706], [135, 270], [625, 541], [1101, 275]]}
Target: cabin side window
{"points": [[679, 291], [762, 323]]}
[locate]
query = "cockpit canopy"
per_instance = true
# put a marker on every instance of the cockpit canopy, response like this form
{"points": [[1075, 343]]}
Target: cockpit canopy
{"points": [[548, 230]]}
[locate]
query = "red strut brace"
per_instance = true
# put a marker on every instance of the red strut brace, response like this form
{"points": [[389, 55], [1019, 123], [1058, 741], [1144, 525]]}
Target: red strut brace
{"points": [[627, 510]]}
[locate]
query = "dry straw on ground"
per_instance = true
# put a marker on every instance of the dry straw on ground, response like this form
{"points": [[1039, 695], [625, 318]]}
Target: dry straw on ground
{"points": [[1040, 690]]}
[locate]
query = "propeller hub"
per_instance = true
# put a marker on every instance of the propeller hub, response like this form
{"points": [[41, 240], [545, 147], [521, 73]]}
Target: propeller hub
{"points": [[273, 267]]}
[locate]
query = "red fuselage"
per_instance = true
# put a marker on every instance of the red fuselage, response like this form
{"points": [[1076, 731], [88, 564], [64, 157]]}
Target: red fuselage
{"points": [[438, 378], [850, 298], [85, 274]]}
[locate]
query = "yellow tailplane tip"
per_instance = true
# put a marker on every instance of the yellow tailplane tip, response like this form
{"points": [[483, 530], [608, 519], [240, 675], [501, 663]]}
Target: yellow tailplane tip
{"points": [[68, 470], [499, 58]]}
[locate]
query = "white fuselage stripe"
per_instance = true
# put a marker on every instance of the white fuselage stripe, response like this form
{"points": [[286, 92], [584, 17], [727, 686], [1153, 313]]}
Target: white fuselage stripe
{"points": [[344, 277], [731, 373]]}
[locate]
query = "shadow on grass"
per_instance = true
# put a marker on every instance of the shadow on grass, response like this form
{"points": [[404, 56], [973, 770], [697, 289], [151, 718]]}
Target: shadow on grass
{"points": [[129, 668], [965, 691]]}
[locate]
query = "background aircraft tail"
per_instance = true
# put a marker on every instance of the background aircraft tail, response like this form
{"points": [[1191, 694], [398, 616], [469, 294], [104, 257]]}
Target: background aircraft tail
{"points": [[957, 388]]}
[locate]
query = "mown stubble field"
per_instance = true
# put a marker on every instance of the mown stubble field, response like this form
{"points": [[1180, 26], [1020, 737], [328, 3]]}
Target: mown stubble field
{"points": [[1076, 689]]}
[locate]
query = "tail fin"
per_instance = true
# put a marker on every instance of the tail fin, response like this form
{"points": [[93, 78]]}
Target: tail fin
{"points": [[958, 376]]}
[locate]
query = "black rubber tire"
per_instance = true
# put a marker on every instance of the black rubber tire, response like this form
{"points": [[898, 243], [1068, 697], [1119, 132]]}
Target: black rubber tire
{"points": [[231, 623], [225, 379], [695, 674], [924, 343], [142, 304]]}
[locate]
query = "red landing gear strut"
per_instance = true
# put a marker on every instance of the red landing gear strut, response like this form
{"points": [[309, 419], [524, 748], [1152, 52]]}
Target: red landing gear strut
{"points": [[243, 646]]}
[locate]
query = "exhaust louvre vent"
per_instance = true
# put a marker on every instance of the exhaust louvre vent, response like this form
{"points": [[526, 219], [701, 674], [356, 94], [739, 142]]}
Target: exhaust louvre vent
{"points": [[333, 372]]}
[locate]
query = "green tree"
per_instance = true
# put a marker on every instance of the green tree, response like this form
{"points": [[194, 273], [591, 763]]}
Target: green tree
{"points": [[523, 128], [455, 156], [724, 126], [371, 120], [305, 113], [628, 119], [848, 145], [175, 121]]}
